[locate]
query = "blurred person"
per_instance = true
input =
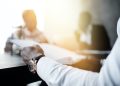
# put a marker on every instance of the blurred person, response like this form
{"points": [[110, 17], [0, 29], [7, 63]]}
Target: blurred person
{"points": [[56, 74], [29, 31], [91, 36]]}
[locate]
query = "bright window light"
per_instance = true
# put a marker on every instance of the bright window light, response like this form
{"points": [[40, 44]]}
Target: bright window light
{"points": [[11, 16]]}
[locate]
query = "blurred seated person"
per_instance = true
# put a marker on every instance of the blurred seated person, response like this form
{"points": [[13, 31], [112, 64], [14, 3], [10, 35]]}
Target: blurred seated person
{"points": [[29, 31], [90, 36]]}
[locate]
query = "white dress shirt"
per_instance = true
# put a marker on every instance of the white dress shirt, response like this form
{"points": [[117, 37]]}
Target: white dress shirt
{"points": [[25, 34], [86, 36], [56, 74]]}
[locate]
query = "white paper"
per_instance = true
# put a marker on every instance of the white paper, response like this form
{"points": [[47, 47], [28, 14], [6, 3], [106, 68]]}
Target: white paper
{"points": [[57, 53]]}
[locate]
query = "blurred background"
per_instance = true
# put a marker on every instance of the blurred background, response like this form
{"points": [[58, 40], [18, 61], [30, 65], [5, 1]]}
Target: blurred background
{"points": [[58, 19]]}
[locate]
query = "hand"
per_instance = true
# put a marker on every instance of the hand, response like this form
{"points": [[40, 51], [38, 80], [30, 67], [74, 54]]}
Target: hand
{"points": [[8, 47], [29, 55]]}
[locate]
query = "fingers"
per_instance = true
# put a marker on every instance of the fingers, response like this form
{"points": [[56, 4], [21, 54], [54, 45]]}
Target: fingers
{"points": [[32, 50], [29, 53]]}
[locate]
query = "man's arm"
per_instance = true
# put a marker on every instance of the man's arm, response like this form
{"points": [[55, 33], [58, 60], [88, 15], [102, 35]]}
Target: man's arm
{"points": [[56, 74]]}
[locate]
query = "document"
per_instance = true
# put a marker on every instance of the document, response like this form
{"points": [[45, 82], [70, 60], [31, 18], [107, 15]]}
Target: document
{"points": [[51, 51]]}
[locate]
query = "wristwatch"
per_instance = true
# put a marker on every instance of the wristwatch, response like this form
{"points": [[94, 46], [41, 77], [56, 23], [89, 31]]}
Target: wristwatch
{"points": [[36, 59], [33, 63], [31, 56]]}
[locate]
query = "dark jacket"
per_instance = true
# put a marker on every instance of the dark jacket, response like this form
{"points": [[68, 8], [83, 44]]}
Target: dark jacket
{"points": [[100, 39]]}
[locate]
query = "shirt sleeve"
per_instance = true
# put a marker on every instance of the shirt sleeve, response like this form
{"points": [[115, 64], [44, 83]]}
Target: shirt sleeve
{"points": [[110, 72], [56, 74]]}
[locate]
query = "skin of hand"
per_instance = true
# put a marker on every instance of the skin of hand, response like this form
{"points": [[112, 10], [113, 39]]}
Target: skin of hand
{"points": [[8, 47], [29, 53]]}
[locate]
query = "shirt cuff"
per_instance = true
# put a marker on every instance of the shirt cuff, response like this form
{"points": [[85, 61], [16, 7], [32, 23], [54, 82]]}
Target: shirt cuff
{"points": [[45, 66]]}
